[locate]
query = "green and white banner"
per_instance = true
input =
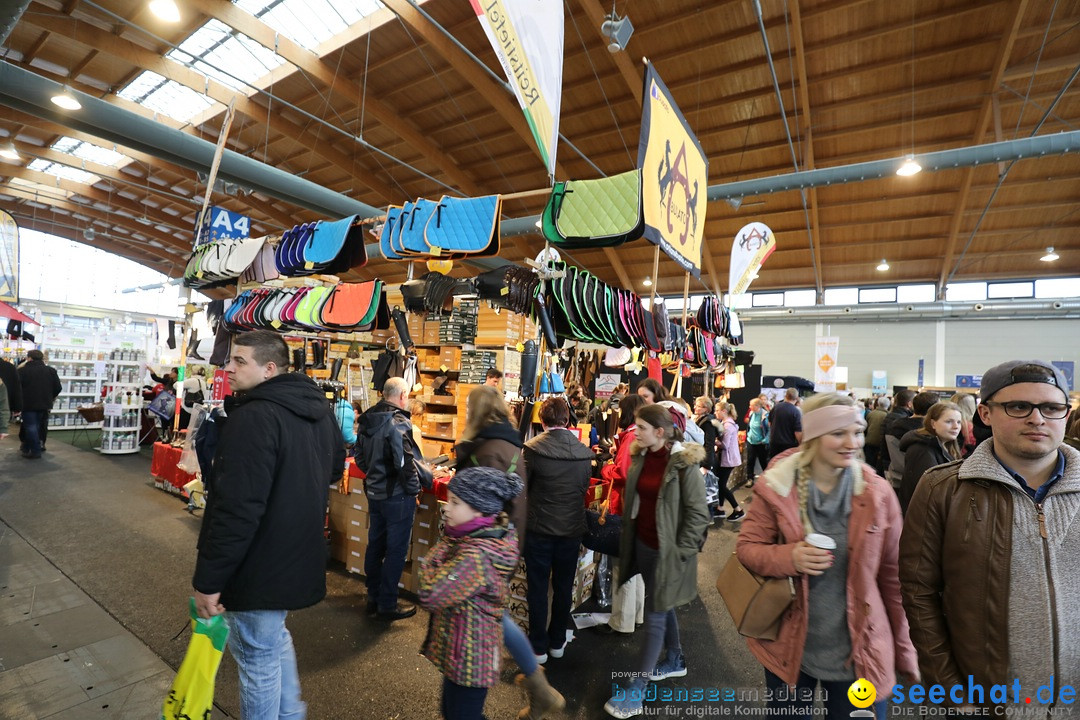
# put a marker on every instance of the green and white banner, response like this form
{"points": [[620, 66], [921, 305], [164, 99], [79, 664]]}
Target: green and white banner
{"points": [[9, 258], [527, 36]]}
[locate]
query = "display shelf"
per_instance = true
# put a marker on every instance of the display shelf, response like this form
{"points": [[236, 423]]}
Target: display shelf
{"points": [[118, 451], [125, 363], [78, 394], [79, 377]]}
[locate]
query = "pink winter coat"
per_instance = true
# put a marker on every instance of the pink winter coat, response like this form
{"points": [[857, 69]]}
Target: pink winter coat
{"points": [[880, 644], [729, 445]]}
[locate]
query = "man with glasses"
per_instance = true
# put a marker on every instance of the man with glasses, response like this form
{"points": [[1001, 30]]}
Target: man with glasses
{"points": [[988, 554]]}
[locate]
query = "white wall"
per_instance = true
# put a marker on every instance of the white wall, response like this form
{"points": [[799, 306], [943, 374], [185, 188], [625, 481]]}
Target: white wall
{"points": [[948, 347]]}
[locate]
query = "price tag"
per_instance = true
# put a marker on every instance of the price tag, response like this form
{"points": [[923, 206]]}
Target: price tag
{"points": [[113, 409], [309, 265], [275, 323], [443, 368], [504, 291], [435, 251]]}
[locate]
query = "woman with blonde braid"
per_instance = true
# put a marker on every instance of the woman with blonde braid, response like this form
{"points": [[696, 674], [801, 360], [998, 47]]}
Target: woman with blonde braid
{"points": [[846, 621]]}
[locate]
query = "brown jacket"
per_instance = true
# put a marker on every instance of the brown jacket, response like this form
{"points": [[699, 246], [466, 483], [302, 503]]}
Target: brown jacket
{"points": [[501, 455], [960, 530]]}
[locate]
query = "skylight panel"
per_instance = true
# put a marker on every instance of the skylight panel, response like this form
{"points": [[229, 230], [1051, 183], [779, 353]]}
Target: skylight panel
{"points": [[91, 152], [310, 23], [166, 97], [63, 171], [231, 59]]}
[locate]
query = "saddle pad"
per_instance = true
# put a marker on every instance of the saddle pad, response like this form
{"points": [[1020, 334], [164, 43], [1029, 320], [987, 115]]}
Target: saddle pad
{"points": [[327, 240], [393, 217], [395, 236], [382, 312], [353, 254], [547, 218], [241, 255], [601, 213], [288, 314], [295, 259], [348, 303], [305, 311], [464, 226], [412, 227], [262, 268]]}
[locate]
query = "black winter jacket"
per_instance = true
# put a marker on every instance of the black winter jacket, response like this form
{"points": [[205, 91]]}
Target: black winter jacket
{"points": [[10, 376], [712, 429], [261, 544], [560, 469], [921, 452], [40, 386], [386, 452]]}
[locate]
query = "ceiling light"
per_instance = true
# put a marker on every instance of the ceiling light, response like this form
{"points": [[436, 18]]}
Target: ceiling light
{"points": [[909, 168], [647, 282], [1050, 255], [539, 225], [735, 202], [66, 100], [9, 152], [89, 234], [166, 10], [883, 265]]}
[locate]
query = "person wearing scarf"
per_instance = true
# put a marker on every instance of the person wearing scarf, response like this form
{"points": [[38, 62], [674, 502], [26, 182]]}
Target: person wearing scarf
{"points": [[847, 620]]}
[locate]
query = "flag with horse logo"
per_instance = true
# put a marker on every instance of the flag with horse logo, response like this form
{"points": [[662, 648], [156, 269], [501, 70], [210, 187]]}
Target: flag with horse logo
{"points": [[675, 177]]}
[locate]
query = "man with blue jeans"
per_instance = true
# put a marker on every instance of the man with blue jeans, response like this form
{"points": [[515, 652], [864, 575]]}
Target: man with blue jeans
{"points": [[394, 472], [40, 385], [261, 546]]}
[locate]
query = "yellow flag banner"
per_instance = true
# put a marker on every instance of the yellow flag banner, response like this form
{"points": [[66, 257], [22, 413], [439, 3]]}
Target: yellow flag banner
{"points": [[675, 177], [527, 36], [9, 258]]}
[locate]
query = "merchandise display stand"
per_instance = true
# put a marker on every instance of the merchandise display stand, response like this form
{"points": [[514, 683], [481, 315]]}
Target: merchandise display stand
{"points": [[79, 364], [123, 406]]}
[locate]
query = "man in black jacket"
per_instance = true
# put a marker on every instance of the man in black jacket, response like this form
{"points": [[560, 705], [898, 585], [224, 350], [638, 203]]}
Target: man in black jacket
{"points": [[40, 386], [387, 454], [261, 546], [10, 377], [910, 417]]}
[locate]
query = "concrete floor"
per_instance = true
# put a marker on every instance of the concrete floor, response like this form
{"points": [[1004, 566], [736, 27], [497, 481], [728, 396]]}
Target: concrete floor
{"points": [[95, 570]]}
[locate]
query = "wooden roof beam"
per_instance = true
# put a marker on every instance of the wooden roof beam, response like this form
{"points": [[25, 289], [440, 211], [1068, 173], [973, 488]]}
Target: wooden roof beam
{"points": [[807, 132], [619, 268], [238, 19], [91, 37], [495, 93], [996, 74], [595, 15]]}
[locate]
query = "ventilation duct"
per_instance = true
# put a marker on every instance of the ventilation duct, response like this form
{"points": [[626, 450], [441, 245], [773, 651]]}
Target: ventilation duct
{"points": [[1042, 310]]}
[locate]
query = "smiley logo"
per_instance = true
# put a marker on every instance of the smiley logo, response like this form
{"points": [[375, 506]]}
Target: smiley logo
{"points": [[862, 693]]}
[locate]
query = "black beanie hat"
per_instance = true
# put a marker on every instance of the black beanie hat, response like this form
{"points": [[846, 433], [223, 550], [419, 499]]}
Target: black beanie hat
{"points": [[485, 489]]}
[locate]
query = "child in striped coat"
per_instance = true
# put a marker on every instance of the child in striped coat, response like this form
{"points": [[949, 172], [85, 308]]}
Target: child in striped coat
{"points": [[463, 586]]}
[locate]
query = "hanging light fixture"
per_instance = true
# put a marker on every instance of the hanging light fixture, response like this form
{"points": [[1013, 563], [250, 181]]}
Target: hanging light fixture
{"points": [[9, 152], [647, 282], [166, 10], [66, 100], [1050, 255], [883, 265], [910, 167]]}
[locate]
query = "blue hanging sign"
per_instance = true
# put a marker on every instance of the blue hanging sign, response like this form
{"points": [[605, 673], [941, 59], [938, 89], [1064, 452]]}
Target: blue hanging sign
{"points": [[222, 224]]}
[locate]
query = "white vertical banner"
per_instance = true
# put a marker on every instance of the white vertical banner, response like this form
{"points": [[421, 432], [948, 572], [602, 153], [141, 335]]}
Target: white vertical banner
{"points": [[826, 352], [527, 36]]}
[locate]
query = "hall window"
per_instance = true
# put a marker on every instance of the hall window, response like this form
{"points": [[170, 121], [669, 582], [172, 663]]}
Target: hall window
{"points": [[1057, 287], [1010, 290], [877, 295], [916, 293], [841, 296], [800, 298], [768, 299], [962, 292]]}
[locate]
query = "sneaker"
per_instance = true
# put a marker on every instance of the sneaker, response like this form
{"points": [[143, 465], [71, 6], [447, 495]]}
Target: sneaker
{"points": [[557, 652], [669, 667], [736, 516], [541, 659], [624, 708]]}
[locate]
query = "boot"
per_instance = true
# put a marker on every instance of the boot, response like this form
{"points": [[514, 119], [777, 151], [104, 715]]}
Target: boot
{"points": [[298, 360], [543, 699], [335, 369], [193, 346], [318, 354]]}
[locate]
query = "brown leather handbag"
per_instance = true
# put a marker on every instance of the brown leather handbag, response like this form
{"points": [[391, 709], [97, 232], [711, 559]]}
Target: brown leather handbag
{"points": [[757, 604]]}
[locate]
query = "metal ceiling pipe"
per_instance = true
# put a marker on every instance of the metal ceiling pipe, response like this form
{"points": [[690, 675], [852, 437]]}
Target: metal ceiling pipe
{"points": [[1043, 309], [10, 12], [1056, 144], [30, 93]]}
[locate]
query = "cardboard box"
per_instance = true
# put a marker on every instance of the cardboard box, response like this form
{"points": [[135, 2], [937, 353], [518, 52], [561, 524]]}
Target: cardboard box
{"points": [[354, 552], [356, 523], [431, 334], [338, 547]]}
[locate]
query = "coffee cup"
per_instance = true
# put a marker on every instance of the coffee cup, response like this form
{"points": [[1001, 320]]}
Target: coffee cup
{"points": [[820, 541]]}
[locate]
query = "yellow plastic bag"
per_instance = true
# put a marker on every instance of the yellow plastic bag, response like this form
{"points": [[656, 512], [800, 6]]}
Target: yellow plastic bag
{"points": [[192, 694]]}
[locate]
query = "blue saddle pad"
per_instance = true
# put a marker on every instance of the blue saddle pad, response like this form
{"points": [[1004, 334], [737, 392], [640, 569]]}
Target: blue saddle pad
{"points": [[464, 226], [327, 240], [295, 252], [395, 236], [281, 252], [413, 224], [393, 217]]}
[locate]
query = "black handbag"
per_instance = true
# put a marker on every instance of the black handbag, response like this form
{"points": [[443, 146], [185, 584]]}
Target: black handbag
{"points": [[602, 531]]}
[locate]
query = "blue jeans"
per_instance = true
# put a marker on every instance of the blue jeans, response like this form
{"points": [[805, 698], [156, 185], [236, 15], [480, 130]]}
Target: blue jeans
{"points": [[835, 700], [515, 641], [34, 424], [263, 649], [553, 559], [388, 545], [462, 703], [661, 628]]}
